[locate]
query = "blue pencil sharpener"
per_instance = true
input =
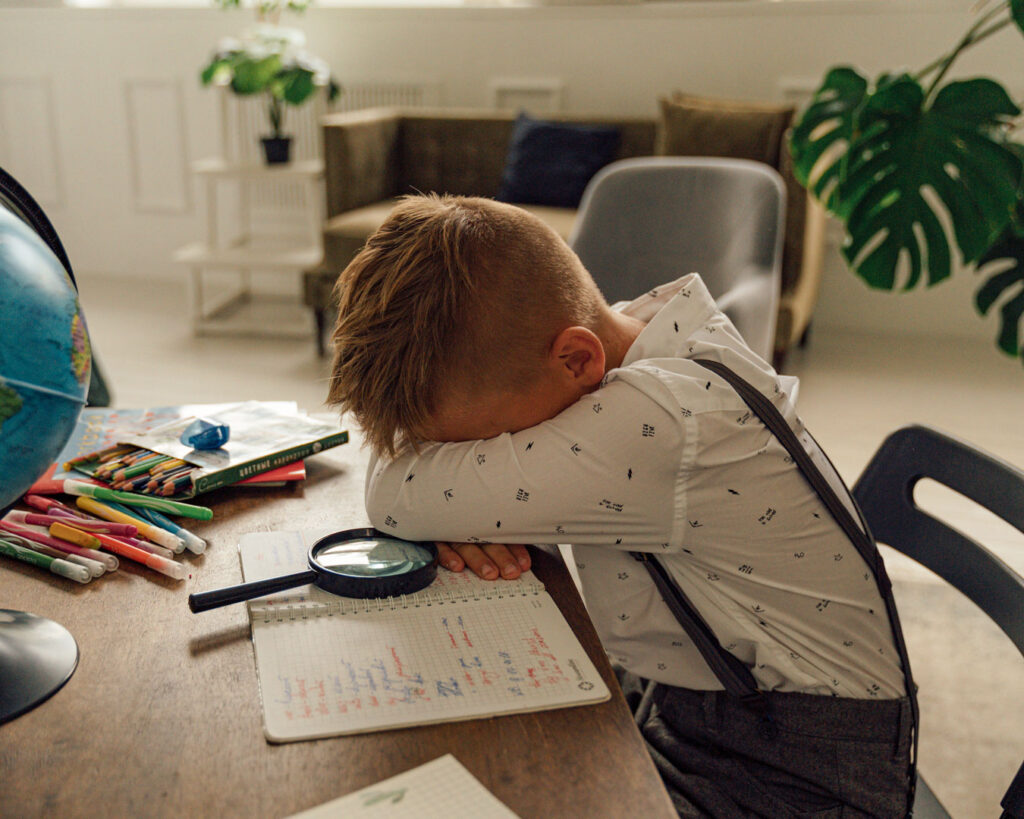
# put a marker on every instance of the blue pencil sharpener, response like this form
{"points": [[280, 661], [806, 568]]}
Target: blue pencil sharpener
{"points": [[205, 433]]}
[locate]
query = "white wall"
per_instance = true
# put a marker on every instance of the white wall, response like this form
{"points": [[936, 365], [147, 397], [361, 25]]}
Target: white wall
{"points": [[101, 110]]}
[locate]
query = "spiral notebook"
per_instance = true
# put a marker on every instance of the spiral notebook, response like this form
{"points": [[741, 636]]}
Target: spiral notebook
{"points": [[439, 789], [460, 649]]}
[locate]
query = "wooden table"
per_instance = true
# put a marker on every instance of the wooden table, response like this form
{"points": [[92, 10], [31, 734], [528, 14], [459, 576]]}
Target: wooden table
{"points": [[163, 715]]}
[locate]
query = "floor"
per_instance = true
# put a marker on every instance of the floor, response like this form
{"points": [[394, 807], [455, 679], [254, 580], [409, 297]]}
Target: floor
{"points": [[854, 391]]}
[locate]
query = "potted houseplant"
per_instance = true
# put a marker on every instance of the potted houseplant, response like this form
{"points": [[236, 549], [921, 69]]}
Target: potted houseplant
{"points": [[894, 158], [270, 60]]}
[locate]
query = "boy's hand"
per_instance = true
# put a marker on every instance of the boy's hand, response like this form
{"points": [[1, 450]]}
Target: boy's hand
{"points": [[487, 560]]}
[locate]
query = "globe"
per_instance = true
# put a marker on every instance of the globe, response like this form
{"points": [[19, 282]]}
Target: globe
{"points": [[45, 357]]}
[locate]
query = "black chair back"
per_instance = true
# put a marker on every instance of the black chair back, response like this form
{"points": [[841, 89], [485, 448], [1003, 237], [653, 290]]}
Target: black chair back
{"points": [[885, 492]]}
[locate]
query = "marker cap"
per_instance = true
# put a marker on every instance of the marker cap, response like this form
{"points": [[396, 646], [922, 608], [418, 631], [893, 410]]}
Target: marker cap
{"points": [[166, 567], [95, 568], [70, 570], [193, 543]]}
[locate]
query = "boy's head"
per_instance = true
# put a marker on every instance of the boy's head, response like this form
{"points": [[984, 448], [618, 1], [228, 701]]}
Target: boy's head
{"points": [[453, 308]]}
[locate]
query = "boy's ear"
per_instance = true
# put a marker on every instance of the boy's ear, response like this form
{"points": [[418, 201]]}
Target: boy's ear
{"points": [[578, 354]]}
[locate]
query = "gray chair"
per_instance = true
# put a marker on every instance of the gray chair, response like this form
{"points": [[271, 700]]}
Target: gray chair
{"points": [[885, 494], [646, 221]]}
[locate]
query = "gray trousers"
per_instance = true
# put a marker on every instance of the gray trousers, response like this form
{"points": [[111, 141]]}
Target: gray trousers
{"points": [[807, 756]]}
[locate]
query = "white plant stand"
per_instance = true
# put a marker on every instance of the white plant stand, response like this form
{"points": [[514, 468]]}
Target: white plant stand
{"points": [[245, 279], [235, 310]]}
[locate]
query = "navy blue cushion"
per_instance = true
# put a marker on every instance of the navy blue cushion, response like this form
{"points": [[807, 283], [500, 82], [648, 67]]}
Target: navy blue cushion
{"points": [[550, 163]]}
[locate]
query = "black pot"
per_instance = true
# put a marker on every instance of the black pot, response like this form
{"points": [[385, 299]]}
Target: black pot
{"points": [[276, 149]]}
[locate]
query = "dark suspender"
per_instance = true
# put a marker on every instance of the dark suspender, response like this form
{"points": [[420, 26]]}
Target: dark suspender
{"points": [[733, 674]]}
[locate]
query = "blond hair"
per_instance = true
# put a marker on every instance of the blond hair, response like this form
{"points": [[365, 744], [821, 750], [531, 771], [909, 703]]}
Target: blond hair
{"points": [[452, 294]]}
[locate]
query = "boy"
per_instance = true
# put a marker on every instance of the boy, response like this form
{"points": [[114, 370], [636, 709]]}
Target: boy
{"points": [[506, 403]]}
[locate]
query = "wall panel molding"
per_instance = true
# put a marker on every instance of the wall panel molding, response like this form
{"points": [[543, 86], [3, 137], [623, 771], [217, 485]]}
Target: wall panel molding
{"points": [[534, 94], [29, 139], [155, 119]]}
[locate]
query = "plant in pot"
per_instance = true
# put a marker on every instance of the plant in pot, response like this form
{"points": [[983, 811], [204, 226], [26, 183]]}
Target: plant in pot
{"points": [[270, 60], [924, 175]]}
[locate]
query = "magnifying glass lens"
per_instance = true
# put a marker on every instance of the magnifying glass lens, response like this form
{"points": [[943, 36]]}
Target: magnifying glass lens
{"points": [[354, 563], [373, 557]]}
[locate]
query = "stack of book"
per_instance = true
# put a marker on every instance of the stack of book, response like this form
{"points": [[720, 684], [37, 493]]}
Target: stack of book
{"points": [[139, 450]]}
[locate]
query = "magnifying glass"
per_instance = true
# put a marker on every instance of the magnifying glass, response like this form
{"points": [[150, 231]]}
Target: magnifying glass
{"points": [[353, 563]]}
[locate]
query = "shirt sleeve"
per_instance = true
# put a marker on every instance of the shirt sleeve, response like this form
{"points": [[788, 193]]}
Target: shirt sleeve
{"points": [[606, 471]]}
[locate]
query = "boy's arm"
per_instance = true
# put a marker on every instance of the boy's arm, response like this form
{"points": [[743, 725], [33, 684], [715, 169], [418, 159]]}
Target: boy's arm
{"points": [[605, 471]]}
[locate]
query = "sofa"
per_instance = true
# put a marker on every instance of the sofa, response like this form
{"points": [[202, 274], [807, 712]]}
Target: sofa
{"points": [[374, 156]]}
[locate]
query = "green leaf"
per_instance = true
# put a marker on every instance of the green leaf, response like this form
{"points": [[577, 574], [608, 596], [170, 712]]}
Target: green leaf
{"points": [[900, 148], [208, 73], [253, 76], [295, 85], [979, 100], [1002, 286], [1017, 12], [375, 797], [827, 125]]}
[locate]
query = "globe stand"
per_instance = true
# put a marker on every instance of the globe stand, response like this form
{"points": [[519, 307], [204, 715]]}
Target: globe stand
{"points": [[37, 656]]}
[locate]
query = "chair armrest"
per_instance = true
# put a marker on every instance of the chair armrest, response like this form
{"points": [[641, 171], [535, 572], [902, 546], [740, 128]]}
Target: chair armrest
{"points": [[361, 158], [749, 304], [800, 300]]}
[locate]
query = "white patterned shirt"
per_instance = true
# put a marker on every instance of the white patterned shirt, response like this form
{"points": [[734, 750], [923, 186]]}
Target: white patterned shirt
{"points": [[665, 457]]}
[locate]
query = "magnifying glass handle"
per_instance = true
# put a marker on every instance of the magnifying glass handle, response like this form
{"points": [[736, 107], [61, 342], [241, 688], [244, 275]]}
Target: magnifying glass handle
{"points": [[246, 591]]}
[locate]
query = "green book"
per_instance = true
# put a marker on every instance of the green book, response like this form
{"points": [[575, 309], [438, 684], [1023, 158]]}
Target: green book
{"points": [[263, 436]]}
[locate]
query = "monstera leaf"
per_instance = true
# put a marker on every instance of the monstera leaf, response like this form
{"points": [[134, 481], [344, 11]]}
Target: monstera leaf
{"points": [[911, 171], [827, 127], [1009, 281], [878, 157]]}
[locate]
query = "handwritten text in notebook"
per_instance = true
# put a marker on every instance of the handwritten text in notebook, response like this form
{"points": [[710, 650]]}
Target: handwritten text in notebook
{"points": [[460, 649]]}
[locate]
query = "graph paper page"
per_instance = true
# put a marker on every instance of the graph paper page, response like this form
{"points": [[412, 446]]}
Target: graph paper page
{"points": [[330, 666], [441, 789]]}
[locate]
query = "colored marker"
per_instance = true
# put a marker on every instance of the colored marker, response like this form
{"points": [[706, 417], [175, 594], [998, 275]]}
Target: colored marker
{"points": [[161, 504], [77, 523], [88, 523], [195, 544], [95, 568], [109, 561], [136, 514], [67, 515], [99, 540], [63, 568], [161, 564], [152, 548], [147, 530], [85, 524], [72, 535], [47, 504]]}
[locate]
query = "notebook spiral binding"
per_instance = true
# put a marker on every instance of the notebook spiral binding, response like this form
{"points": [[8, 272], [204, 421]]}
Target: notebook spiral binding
{"points": [[303, 608]]}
